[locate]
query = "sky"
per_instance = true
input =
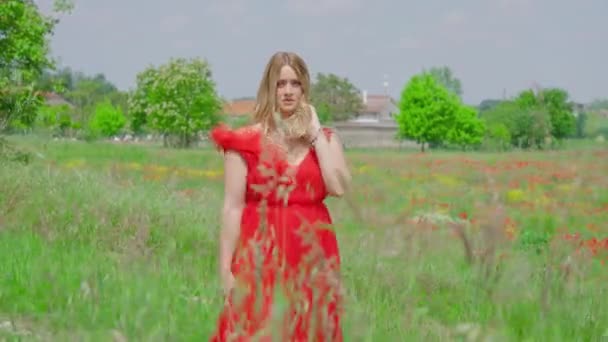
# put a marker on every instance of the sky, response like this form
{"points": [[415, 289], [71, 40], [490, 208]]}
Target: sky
{"points": [[495, 47]]}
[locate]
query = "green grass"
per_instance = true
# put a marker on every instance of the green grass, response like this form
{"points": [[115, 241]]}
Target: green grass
{"points": [[102, 241]]}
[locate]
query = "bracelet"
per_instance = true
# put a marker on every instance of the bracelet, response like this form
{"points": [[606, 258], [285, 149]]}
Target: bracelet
{"points": [[312, 142]]}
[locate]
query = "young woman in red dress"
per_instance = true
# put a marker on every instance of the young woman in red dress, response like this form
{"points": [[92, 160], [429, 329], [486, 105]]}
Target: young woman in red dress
{"points": [[279, 259]]}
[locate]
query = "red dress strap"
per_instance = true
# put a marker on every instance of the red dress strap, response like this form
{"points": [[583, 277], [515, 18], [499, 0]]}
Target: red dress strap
{"points": [[244, 139]]}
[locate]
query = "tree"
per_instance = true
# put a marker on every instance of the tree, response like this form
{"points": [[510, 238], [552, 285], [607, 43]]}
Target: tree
{"points": [[337, 97], [107, 120], [527, 126], [581, 121], [445, 77], [497, 136], [83, 91], [24, 33], [556, 103], [56, 118], [59, 80], [467, 130], [561, 111], [24, 46], [63, 6], [177, 98], [488, 104], [23, 39], [427, 111], [431, 114], [598, 104], [23, 55], [324, 112]]}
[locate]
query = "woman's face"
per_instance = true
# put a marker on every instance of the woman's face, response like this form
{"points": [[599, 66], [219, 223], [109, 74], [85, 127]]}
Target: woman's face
{"points": [[289, 91]]}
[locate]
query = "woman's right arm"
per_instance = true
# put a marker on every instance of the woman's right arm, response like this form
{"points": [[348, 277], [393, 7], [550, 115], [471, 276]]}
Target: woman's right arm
{"points": [[235, 174]]}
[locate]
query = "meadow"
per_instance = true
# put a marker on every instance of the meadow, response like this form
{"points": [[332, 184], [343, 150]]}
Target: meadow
{"points": [[101, 241]]}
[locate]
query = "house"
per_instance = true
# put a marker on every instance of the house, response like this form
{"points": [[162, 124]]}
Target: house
{"points": [[374, 126], [377, 108], [54, 99], [239, 107]]}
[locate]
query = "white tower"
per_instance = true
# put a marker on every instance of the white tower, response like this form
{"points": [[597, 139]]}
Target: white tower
{"points": [[385, 84]]}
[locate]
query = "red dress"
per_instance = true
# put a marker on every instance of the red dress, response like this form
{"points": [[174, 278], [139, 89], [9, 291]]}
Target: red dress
{"points": [[287, 261]]}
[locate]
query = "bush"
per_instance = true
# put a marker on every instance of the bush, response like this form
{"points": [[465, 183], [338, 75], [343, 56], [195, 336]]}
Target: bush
{"points": [[596, 124], [527, 127], [497, 137], [57, 119], [107, 120]]}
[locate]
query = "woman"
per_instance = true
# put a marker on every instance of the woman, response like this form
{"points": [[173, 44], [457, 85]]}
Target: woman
{"points": [[279, 258]]}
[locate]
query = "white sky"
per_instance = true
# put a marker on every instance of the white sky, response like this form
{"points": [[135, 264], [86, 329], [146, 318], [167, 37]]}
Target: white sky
{"points": [[491, 45]]}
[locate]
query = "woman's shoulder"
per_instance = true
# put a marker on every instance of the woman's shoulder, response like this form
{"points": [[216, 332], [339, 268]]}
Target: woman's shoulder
{"points": [[240, 139]]}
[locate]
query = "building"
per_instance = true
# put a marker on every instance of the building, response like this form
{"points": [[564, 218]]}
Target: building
{"points": [[377, 109], [239, 107], [54, 99], [374, 126]]}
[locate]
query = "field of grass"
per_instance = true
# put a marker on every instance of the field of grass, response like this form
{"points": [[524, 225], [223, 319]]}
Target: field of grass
{"points": [[102, 241]]}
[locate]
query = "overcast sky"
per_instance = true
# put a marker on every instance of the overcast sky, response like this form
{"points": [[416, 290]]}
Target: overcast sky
{"points": [[491, 45]]}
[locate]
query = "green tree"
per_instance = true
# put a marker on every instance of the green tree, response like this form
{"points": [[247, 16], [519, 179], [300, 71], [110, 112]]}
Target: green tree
{"points": [[488, 104], [497, 137], [107, 120], [23, 55], [24, 33], [467, 130], [598, 104], [87, 92], [581, 121], [561, 111], [445, 77], [595, 119], [56, 118], [83, 91], [324, 113], [528, 126], [24, 46], [526, 99], [429, 112], [58, 81], [23, 39], [556, 102], [176, 99], [336, 97]]}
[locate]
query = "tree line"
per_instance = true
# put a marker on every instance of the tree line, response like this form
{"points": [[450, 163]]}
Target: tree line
{"points": [[432, 114], [178, 100]]}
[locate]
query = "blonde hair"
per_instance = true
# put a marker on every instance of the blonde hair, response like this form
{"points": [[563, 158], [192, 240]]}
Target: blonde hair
{"points": [[265, 112]]}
